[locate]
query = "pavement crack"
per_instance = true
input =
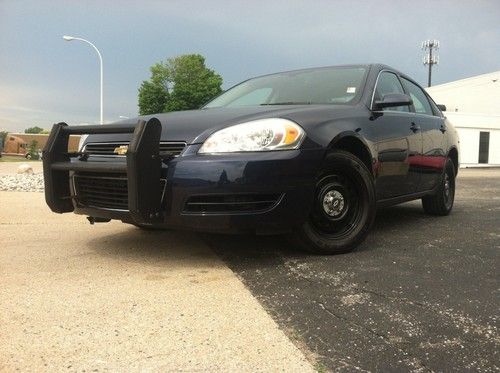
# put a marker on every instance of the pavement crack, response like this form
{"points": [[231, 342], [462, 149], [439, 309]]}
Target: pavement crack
{"points": [[352, 323], [398, 299], [483, 331], [381, 336], [487, 332]]}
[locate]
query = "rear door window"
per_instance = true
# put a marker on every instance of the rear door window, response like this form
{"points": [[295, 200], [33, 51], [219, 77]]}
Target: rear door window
{"points": [[420, 100]]}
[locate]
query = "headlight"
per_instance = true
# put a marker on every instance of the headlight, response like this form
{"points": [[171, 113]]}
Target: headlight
{"points": [[257, 135]]}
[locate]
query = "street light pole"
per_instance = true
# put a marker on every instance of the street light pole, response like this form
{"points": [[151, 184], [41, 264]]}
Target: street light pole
{"points": [[70, 38]]}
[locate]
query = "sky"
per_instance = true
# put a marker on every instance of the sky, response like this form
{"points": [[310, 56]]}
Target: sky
{"points": [[44, 79]]}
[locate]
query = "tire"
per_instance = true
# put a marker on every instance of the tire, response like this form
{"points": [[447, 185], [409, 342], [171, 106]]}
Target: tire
{"points": [[441, 202], [344, 207]]}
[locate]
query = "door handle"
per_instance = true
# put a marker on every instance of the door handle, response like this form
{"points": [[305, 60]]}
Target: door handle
{"points": [[414, 127], [442, 128]]}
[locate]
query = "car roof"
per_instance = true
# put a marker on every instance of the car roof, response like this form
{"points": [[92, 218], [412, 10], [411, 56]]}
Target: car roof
{"points": [[368, 66], [313, 69]]}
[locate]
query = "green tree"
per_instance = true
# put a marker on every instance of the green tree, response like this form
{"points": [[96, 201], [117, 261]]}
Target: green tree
{"points": [[180, 83], [3, 136], [153, 93], [33, 150], [152, 98], [34, 130]]}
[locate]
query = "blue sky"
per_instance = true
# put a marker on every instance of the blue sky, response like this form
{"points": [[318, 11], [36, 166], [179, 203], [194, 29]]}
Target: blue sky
{"points": [[44, 79]]}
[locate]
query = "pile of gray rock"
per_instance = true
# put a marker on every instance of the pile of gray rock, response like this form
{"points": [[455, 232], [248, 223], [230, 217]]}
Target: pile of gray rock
{"points": [[24, 181]]}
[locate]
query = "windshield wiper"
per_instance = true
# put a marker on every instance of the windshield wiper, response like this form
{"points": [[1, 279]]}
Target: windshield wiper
{"points": [[287, 103]]}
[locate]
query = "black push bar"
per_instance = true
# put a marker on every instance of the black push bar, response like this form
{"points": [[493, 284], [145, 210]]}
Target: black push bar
{"points": [[143, 167], [99, 129]]}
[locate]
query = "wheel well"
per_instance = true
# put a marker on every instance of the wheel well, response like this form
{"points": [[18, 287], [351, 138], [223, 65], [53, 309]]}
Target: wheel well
{"points": [[453, 154], [356, 147]]}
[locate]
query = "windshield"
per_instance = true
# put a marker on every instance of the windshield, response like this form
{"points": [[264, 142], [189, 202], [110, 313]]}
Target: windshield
{"points": [[333, 85]]}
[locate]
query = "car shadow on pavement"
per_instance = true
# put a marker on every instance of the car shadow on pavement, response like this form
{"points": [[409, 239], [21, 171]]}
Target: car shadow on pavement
{"points": [[267, 249], [166, 247], [155, 248]]}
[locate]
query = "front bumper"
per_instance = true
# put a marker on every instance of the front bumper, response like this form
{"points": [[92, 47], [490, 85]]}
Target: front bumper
{"points": [[287, 176]]}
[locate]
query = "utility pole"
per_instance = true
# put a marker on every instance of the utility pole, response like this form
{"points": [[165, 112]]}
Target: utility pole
{"points": [[430, 58]]}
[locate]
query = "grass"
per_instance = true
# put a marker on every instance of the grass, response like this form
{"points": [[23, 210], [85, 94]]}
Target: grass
{"points": [[12, 158]]}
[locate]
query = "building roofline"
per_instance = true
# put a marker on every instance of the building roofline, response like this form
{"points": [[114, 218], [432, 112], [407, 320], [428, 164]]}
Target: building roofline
{"points": [[465, 81]]}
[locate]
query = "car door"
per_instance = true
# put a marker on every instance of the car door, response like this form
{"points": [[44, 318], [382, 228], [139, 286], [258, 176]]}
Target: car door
{"points": [[431, 124], [397, 141]]}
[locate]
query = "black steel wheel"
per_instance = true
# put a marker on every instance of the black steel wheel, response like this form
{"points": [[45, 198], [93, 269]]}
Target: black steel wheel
{"points": [[441, 203], [343, 209]]}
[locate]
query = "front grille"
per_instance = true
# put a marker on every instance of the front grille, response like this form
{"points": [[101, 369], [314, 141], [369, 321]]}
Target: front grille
{"points": [[231, 203], [172, 148], [108, 191], [167, 148]]}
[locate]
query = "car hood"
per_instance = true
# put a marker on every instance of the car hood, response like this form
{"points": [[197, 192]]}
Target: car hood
{"points": [[195, 126]]}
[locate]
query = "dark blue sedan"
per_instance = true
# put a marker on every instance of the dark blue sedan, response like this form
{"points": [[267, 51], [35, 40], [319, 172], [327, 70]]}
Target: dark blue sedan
{"points": [[310, 153]]}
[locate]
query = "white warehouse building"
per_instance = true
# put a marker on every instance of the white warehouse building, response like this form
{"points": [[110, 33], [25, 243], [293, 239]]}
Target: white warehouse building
{"points": [[473, 107]]}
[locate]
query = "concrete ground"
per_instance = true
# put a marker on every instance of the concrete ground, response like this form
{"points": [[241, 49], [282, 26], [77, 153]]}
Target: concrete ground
{"points": [[421, 294], [110, 297]]}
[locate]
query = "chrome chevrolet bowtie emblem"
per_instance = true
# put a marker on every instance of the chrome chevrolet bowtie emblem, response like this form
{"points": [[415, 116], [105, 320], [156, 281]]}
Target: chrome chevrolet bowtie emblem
{"points": [[121, 150]]}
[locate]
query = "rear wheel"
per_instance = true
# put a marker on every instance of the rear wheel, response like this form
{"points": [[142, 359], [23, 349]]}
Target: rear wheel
{"points": [[344, 207], [441, 203]]}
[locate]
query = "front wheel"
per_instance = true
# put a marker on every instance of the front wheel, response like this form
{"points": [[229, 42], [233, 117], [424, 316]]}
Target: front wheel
{"points": [[344, 207]]}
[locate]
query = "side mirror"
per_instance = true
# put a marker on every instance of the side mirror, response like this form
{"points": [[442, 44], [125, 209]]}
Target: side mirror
{"points": [[441, 107], [393, 100]]}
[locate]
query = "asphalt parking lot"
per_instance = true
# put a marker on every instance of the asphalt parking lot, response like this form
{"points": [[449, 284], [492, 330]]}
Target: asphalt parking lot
{"points": [[420, 294]]}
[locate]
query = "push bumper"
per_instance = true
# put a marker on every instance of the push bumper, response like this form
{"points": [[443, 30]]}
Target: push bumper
{"points": [[142, 167]]}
